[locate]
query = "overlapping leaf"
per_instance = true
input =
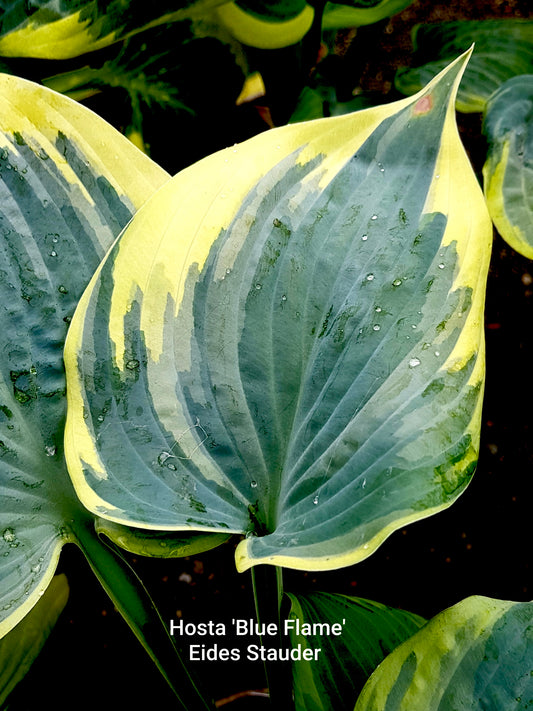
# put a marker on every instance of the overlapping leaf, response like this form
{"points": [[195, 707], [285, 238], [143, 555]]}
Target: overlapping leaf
{"points": [[69, 183], [287, 341], [503, 49], [508, 171], [368, 632], [476, 655]]}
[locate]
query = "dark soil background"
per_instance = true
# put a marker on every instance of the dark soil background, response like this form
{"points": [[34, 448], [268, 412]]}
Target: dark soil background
{"points": [[481, 545]]}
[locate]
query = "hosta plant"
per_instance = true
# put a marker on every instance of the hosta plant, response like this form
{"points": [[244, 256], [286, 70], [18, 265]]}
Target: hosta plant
{"points": [[283, 342]]}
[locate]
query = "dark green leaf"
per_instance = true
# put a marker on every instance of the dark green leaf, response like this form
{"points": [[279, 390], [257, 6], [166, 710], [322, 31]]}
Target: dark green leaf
{"points": [[333, 680]]}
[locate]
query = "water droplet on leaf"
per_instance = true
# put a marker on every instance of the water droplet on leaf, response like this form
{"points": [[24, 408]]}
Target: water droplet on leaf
{"points": [[414, 362]]}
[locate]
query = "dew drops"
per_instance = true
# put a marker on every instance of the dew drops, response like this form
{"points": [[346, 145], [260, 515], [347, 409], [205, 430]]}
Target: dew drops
{"points": [[53, 253], [374, 217], [315, 500], [253, 484], [441, 266], [413, 325], [378, 309], [376, 327], [364, 238], [50, 450], [171, 466], [228, 271], [100, 418], [133, 364], [370, 277], [414, 362], [284, 298], [397, 282], [437, 353], [62, 289], [258, 287], [36, 568], [363, 483]]}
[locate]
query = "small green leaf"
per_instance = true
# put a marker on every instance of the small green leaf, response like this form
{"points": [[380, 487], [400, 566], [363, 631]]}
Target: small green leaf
{"points": [[357, 13], [476, 655], [20, 647], [286, 340], [503, 49], [508, 171], [348, 654]]}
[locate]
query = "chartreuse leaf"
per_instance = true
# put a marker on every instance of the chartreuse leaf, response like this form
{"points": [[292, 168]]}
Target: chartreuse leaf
{"points": [[474, 656], [367, 631], [357, 13], [267, 25], [508, 171], [503, 49], [286, 340], [59, 30], [20, 647]]}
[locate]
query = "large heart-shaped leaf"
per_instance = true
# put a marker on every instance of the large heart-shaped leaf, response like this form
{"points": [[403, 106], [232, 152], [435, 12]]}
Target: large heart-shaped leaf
{"points": [[503, 49], [476, 655], [508, 171], [366, 632], [287, 340]]}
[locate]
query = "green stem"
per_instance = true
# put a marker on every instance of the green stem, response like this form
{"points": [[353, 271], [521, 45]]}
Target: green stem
{"points": [[267, 583], [132, 600]]}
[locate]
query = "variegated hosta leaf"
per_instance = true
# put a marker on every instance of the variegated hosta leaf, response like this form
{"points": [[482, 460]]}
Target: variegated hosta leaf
{"points": [[503, 49], [287, 340], [47, 29], [68, 185], [476, 655], [21, 646], [357, 13], [508, 171], [333, 680]]}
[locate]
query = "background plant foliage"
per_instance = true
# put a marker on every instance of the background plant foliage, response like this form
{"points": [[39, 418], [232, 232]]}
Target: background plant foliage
{"points": [[183, 80]]}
